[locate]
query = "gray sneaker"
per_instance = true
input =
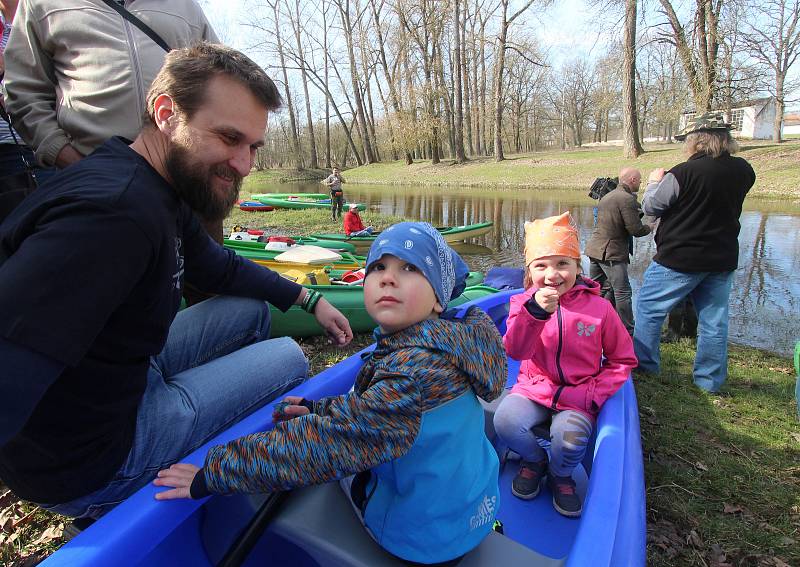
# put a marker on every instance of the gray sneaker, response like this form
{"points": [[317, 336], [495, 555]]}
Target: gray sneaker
{"points": [[528, 481], [565, 499]]}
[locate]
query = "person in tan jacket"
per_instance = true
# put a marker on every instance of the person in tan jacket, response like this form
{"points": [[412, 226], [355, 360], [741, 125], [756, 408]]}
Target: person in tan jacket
{"points": [[618, 219], [77, 73]]}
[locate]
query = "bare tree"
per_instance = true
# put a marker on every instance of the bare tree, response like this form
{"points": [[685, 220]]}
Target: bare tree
{"points": [[458, 117], [499, 68], [632, 147], [700, 63], [773, 37], [348, 28], [313, 162], [295, 138]]}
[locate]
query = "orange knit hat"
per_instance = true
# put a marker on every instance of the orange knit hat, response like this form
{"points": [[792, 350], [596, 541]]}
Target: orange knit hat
{"points": [[553, 236]]}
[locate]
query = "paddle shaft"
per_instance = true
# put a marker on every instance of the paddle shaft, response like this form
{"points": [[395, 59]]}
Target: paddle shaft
{"points": [[250, 535]]}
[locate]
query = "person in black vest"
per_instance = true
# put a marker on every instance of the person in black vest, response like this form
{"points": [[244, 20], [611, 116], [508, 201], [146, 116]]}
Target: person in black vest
{"points": [[698, 203]]}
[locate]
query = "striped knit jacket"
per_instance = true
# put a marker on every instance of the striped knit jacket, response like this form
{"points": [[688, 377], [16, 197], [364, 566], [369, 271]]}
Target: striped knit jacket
{"points": [[413, 418]]}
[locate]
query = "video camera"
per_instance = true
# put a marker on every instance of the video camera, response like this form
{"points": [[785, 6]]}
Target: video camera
{"points": [[602, 186]]}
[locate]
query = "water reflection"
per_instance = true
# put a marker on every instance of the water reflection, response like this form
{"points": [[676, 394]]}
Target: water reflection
{"points": [[765, 301]]}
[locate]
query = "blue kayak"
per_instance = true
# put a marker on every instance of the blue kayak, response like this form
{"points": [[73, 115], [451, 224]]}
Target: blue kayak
{"points": [[316, 526]]}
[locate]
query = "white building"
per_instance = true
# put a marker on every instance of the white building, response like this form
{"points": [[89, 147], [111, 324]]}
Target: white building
{"points": [[791, 123], [753, 119]]}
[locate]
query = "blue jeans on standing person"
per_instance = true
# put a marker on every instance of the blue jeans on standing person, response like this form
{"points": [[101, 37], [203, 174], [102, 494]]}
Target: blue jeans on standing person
{"points": [[570, 432], [662, 289], [217, 366]]}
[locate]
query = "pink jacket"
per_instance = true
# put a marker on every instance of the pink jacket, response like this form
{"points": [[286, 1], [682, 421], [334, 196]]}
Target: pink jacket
{"points": [[561, 356]]}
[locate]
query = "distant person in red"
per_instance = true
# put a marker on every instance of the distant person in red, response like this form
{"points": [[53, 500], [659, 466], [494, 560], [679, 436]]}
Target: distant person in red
{"points": [[353, 225]]}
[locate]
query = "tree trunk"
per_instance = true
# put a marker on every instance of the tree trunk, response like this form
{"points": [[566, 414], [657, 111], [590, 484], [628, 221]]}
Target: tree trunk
{"points": [[458, 117], [389, 79], [632, 147], [289, 105], [779, 105], [327, 100], [344, 12], [500, 58], [313, 162]]}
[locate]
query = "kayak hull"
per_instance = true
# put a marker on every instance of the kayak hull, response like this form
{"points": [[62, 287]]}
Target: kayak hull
{"points": [[610, 532], [349, 300], [255, 246], [451, 234], [305, 202]]}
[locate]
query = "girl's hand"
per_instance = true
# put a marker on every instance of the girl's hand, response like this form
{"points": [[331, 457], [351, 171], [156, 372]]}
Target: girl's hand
{"points": [[289, 408], [547, 299], [179, 476]]}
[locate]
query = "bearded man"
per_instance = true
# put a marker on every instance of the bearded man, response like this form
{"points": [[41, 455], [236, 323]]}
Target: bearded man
{"points": [[103, 381]]}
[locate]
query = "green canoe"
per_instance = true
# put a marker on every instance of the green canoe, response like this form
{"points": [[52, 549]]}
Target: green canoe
{"points": [[451, 234], [336, 245], [350, 301], [303, 201]]}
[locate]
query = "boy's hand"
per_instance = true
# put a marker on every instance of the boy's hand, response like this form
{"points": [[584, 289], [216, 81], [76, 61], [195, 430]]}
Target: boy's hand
{"points": [[336, 325], [179, 476], [289, 408], [547, 299]]}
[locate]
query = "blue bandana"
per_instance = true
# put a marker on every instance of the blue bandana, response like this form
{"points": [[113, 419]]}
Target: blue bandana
{"points": [[420, 244]]}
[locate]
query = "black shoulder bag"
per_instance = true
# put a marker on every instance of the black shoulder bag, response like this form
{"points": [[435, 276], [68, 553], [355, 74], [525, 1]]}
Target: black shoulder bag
{"points": [[15, 187]]}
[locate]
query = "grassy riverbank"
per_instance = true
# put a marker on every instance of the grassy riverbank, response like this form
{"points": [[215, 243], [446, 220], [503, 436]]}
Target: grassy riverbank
{"points": [[775, 166], [722, 472]]}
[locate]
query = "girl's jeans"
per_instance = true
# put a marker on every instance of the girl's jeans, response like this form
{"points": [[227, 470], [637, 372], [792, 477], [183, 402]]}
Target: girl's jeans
{"points": [[216, 367], [570, 432]]}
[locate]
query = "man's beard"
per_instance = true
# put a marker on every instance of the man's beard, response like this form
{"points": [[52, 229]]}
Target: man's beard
{"points": [[193, 183]]}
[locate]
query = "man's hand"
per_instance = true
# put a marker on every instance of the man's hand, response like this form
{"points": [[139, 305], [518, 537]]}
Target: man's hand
{"points": [[336, 325], [289, 408], [179, 476], [67, 156], [656, 175], [547, 299]]}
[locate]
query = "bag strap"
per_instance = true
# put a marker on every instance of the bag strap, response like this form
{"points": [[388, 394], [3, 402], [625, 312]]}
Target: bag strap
{"points": [[148, 31], [5, 116]]}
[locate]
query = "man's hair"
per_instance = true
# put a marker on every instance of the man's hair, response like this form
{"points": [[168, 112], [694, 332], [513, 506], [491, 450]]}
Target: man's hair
{"points": [[187, 72], [711, 142]]}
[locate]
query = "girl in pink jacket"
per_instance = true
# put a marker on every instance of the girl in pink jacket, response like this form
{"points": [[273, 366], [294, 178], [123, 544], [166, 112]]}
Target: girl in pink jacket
{"points": [[575, 354]]}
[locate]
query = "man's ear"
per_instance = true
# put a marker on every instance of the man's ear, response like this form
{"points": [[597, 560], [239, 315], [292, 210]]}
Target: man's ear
{"points": [[165, 113]]}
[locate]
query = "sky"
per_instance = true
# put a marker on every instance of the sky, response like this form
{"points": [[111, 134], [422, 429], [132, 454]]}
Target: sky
{"points": [[564, 27]]}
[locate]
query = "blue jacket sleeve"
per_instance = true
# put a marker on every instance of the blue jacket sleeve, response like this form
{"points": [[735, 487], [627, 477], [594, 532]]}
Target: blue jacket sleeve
{"points": [[358, 432], [25, 378]]}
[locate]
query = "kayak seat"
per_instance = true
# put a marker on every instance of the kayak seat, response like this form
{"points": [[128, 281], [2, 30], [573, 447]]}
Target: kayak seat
{"points": [[320, 521]]}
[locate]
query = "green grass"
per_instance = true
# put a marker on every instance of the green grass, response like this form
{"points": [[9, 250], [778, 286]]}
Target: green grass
{"points": [[722, 471], [778, 176]]}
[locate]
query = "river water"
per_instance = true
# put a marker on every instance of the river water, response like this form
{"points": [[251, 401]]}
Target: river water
{"points": [[765, 301]]}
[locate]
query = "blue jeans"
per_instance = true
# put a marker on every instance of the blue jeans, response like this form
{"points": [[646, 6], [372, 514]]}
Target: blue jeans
{"points": [[662, 289], [216, 367], [570, 432], [365, 232]]}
